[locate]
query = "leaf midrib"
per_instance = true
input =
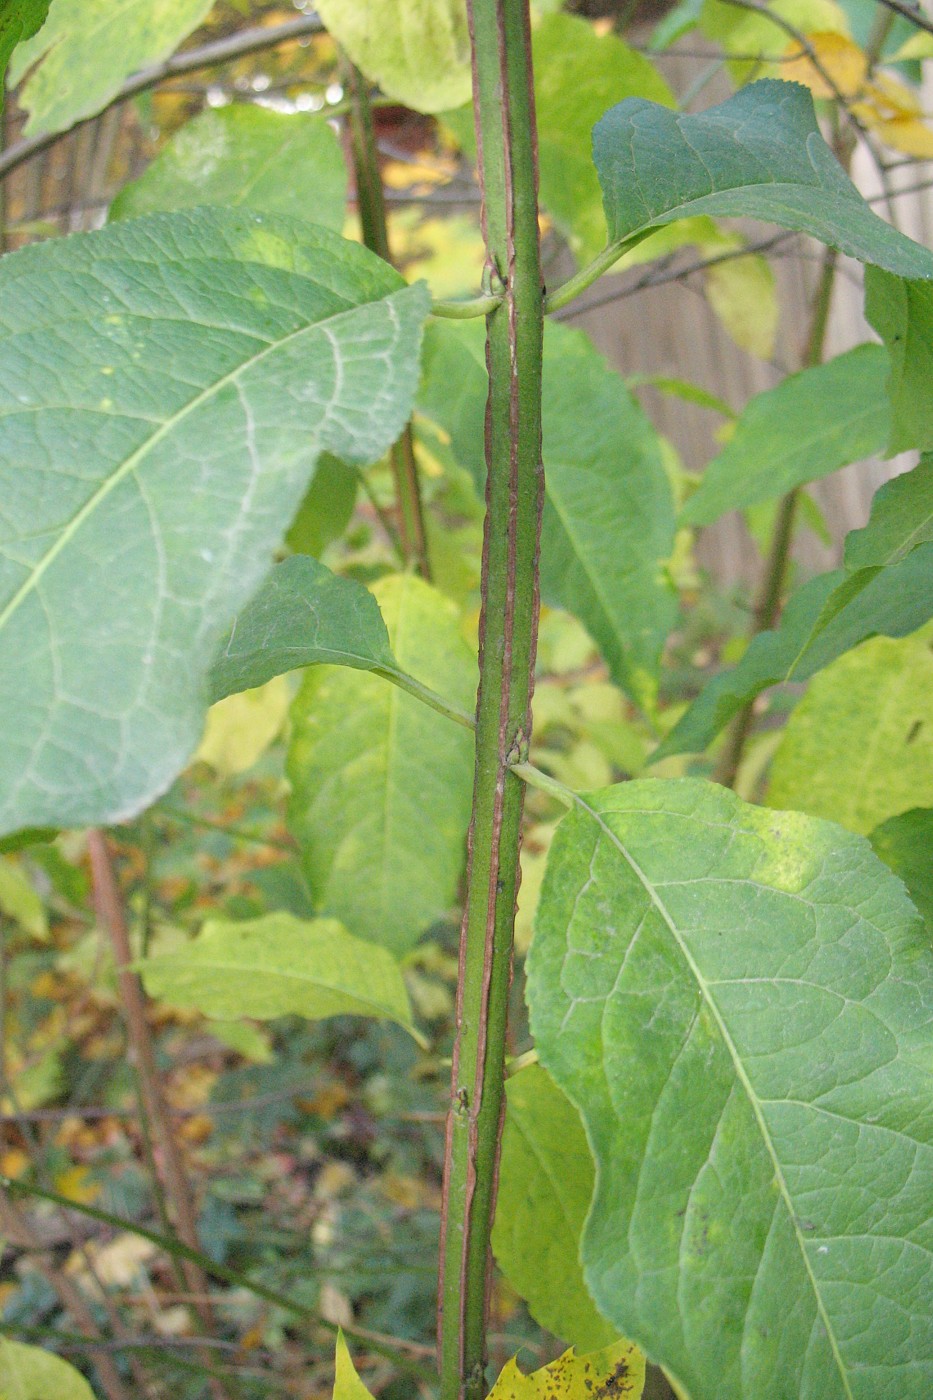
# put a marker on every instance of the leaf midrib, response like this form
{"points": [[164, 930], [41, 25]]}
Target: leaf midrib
{"points": [[127, 467], [742, 1077]]}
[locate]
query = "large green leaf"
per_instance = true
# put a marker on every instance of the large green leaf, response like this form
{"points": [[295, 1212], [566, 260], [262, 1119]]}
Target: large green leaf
{"points": [[418, 51], [545, 1183], [902, 314], [738, 1002], [80, 57], [905, 842], [381, 785], [885, 589], [273, 162], [303, 615], [19, 20], [578, 74], [859, 746], [29, 1373], [812, 424], [757, 155], [608, 526], [166, 386], [280, 966]]}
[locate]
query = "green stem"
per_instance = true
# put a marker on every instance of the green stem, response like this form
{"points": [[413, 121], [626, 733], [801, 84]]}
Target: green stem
{"points": [[466, 310], [506, 141], [427, 696], [771, 587], [577, 284], [370, 202]]}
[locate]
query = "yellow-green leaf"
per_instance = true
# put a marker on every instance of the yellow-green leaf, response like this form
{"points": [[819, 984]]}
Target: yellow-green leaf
{"points": [[618, 1371], [347, 1384], [418, 51], [859, 747], [280, 965], [19, 901], [29, 1373], [241, 727]]}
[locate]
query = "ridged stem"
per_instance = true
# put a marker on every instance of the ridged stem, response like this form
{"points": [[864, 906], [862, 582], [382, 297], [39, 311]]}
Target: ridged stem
{"points": [[505, 124]]}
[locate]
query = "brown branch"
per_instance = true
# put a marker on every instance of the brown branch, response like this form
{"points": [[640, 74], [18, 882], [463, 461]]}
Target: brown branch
{"points": [[109, 907]]}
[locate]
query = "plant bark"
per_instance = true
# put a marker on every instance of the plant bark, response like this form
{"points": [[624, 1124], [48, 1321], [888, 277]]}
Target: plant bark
{"points": [[504, 113]]}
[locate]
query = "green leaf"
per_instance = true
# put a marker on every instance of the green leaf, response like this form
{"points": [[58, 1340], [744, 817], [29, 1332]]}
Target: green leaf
{"points": [[902, 314], [303, 615], [859, 746], [279, 966], [418, 51], [545, 1184], [905, 843], [757, 155], [885, 589], [578, 73], [616, 1370], [29, 1373], [901, 519], [19, 20], [156, 440], [812, 424], [19, 901], [81, 56], [327, 508], [347, 1384], [381, 786], [826, 618], [608, 526], [272, 162], [738, 1002]]}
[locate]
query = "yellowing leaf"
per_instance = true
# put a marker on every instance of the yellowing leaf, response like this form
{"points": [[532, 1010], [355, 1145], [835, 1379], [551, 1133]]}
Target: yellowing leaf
{"points": [[841, 67], [347, 1384], [893, 110], [917, 46], [19, 901], [74, 1184], [29, 1373], [742, 293], [241, 727], [616, 1371]]}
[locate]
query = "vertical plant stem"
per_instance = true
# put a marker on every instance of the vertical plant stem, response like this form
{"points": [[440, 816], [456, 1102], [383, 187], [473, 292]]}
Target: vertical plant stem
{"points": [[767, 603], [375, 230], [504, 111], [109, 906]]}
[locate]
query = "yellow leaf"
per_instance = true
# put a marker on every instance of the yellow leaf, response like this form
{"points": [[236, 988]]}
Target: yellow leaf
{"points": [[347, 1384], [838, 59], [241, 727], [617, 1372], [14, 1162], [73, 1183], [893, 110]]}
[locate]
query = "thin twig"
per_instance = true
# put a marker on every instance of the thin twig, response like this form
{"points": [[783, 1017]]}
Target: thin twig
{"points": [[207, 56]]}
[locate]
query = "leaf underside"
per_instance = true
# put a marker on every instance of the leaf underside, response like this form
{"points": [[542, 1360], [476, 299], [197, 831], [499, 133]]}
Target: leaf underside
{"points": [[166, 386]]}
